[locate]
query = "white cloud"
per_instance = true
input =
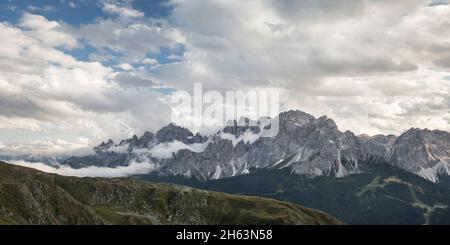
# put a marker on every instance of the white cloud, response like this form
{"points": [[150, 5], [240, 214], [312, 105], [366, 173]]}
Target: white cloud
{"points": [[248, 137], [121, 149], [48, 92], [149, 61], [47, 147], [125, 67], [124, 171], [45, 8], [343, 59], [134, 39], [124, 11], [169, 149], [48, 32]]}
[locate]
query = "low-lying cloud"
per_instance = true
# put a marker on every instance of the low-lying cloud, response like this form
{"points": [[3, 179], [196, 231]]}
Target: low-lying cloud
{"points": [[134, 168], [168, 150]]}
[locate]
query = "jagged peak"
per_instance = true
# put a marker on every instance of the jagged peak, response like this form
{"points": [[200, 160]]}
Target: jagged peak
{"points": [[173, 132], [295, 114], [425, 131], [147, 133], [328, 122], [413, 129], [109, 142], [376, 136], [364, 136], [239, 127], [103, 146], [173, 127], [133, 140], [414, 133]]}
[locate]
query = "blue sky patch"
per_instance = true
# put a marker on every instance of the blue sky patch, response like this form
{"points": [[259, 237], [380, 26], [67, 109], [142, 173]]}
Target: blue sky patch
{"points": [[164, 90], [168, 55]]}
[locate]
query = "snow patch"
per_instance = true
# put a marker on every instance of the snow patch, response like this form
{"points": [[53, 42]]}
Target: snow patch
{"points": [[429, 174], [217, 172], [443, 167], [432, 174], [341, 169]]}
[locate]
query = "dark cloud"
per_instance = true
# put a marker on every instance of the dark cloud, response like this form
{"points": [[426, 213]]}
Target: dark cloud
{"points": [[444, 61], [18, 106], [434, 3], [318, 10]]}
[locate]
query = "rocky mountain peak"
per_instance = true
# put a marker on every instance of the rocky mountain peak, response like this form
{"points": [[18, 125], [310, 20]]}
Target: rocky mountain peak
{"points": [[326, 123], [103, 146], [133, 141], [173, 132], [424, 152], [145, 139], [296, 116], [240, 127]]}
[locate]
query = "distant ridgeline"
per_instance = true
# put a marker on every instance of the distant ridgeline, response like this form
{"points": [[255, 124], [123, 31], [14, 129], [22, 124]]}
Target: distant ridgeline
{"points": [[305, 145]]}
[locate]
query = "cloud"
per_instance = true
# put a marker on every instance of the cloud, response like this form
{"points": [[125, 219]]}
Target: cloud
{"points": [[132, 40], [45, 8], [434, 3], [148, 61], [121, 149], [248, 137], [123, 11], [125, 66], [47, 147], [48, 32], [47, 91], [124, 171], [373, 66], [340, 58], [169, 149]]}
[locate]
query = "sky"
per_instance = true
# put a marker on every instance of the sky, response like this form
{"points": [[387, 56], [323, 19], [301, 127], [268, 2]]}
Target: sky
{"points": [[74, 73]]}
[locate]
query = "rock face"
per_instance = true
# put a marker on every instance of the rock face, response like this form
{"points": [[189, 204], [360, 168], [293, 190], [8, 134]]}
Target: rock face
{"points": [[28, 196], [424, 152], [307, 145]]}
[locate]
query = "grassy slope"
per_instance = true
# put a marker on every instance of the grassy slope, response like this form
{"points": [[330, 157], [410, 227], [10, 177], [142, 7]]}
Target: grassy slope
{"points": [[380, 195], [28, 196]]}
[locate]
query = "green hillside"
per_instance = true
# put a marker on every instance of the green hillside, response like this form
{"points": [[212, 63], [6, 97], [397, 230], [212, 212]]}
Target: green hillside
{"points": [[29, 196]]}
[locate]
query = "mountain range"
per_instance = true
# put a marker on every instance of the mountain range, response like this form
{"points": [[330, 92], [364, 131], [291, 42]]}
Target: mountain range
{"points": [[305, 145], [359, 179]]}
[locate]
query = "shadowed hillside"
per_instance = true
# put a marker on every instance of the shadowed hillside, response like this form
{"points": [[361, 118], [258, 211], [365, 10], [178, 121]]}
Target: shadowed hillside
{"points": [[28, 196]]}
